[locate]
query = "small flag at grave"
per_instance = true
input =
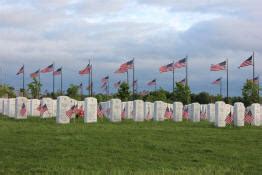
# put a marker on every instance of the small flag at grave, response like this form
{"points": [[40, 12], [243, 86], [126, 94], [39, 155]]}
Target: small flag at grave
{"points": [[248, 117], [100, 112], [70, 112], [23, 110], [43, 109], [229, 119], [123, 113], [185, 113]]}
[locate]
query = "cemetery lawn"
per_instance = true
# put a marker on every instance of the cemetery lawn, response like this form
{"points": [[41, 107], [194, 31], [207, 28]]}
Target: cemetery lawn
{"points": [[40, 146]]}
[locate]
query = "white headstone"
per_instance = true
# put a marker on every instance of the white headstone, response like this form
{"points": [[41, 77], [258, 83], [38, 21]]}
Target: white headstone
{"points": [[63, 106], [108, 109], [48, 102], [255, 110], [1, 105], [28, 107], [90, 110], [34, 107], [239, 114], [195, 109], [159, 111], [148, 110], [129, 110], [11, 107], [138, 110], [5, 107], [115, 112], [178, 111], [21, 108], [211, 112], [123, 109], [54, 108], [220, 114]]}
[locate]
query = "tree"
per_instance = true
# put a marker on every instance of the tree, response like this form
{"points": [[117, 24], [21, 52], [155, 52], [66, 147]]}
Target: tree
{"points": [[123, 92], [73, 92], [182, 93], [203, 98], [34, 88], [7, 90], [250, 93], [160, 95]]}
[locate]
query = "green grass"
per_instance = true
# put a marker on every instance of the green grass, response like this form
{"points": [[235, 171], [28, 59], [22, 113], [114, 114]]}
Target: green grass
{"points": [[40, 146]]}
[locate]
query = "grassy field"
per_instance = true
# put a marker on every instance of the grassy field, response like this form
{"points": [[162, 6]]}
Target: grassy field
{"points": [[40, 146]]}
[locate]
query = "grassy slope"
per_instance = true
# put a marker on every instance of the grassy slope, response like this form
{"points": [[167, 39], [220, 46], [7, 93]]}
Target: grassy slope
{"points": [[41, 146]]}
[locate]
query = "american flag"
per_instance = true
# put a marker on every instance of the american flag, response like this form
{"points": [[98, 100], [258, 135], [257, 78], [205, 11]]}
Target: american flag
{"points": [[49, 68], [166, 68], [70, 112], [247, 62], [86, 70], [148, 116], [219, 66], [100, 112], [104, 85], [23, 110], [203, 115], [167, 114], [58, 71], [185, 113], [43, 109], [21, 70], [152, 82], [256, 80], [144, 93], [229, 119], [181, 63], [121, 70], [123, 113], [81, 111], [217, 81], [35, 74], [135, 83], [182, 81], [117, 84], [128, 65], [248, 117], [105, 79], [39, 107], [76, 108]]}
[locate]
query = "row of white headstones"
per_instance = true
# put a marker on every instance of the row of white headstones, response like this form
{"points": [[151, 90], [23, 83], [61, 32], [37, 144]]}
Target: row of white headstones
{"points": [[138, 110]]}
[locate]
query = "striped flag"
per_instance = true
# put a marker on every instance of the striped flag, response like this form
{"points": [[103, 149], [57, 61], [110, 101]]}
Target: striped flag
{"points": [[248, 117], [219, 66], [39, 107], [100, 112], [229, 119], [148, 116], [182, 81], [123, 113], [167, 68], [256, 80], [23, 110], [217, 81], [203, 115], [86, 70], [181, 63], [49, 68], [185, 113], [81, 111], [117, 84], [58, 71], [105, 79], [35, 74], [43, 109], [70, 112], [247, 62], [121, 70], [167, 113], [152, 82], [21, 70], [128, 65], [104, 85]]}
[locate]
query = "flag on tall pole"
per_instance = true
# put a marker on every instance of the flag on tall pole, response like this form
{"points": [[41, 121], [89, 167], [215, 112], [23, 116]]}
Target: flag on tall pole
{"points": [[152, 82], [59, 72], [166, 68], [86, 70], [35, 74], [219, 66], [247, 62], [218, 82], [22, 71], [49, 68], [181, 63], [117, 84], [183, 81], [128, 65]]}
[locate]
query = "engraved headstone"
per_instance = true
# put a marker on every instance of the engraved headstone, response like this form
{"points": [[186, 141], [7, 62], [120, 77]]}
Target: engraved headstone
{"points": [[123, 109], [1, 105], [90, 110], [21, 108], [34, 107], [211, 112], [11, 107], [28, 107], [159, 111], [138, 110], [5, 106], [195, 109], [63, 110], [54, 108], [178, 111], [148, 110], [255, 110], [220, 114], [47, 108], [129, 110], [239, 114], [115, 112]]}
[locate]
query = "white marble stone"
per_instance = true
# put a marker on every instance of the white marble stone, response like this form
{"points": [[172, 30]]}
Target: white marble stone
{"points": [[129, 110], [220, 114], [148, 110], [11, 107], [211, 112], [123, 109], [28, 107], [239, 114], [178, 111], [49, 104], [195, 110], [90, 110], [5, 106], [20, 106], [138, 111], [115, 111], [1, 105], [108, 110], [54, 108], [63, 105], [159, 111], [34, 105], [255, 110]]}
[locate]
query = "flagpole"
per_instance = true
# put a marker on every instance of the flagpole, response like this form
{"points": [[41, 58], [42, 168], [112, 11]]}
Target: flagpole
{"points": [[39, 88], [253, 67], [127, 78], [108, 85], [61, 81], [53, 80], [91, 80], [186, 70], [173, 77], [89, 87], [227, 82], [221, 87], [155, 86], [133, 78], [23, 80]]}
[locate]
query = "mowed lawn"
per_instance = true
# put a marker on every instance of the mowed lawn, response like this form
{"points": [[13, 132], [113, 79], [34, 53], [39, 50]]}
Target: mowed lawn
{"points": [[41, 146]]}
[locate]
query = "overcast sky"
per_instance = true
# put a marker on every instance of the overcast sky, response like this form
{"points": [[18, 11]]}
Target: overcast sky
{"points": [[110, 32]]}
